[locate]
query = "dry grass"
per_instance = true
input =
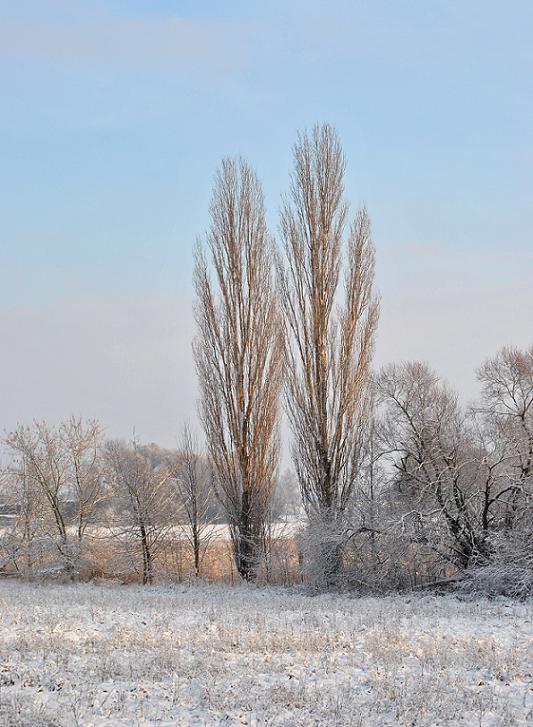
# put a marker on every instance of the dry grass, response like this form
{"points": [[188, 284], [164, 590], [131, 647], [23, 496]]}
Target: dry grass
{"points": [[110, 655]]}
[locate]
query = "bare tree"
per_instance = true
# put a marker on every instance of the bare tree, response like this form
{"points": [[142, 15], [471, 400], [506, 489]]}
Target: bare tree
{"points": [[143, 502], [452, 469], [23, 537], [424, 433], [506, 409], [194, 489], [81, 442], [330, 312], [504, 423], [42, 460], [238, 353], [63, 465]]}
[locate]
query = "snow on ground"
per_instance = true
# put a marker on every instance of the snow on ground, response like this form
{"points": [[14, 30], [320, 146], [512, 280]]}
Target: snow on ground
{"points": [[215, 655]]}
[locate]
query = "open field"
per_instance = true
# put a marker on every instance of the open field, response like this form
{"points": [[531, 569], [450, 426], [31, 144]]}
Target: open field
{"points": [[216, 655]]}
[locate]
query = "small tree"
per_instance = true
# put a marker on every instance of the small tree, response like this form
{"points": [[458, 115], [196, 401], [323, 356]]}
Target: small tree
{"points": [[23, 540], [42, 461], [193, 480], [144, 508], [63, 465], [506, 410], [81, 442]]}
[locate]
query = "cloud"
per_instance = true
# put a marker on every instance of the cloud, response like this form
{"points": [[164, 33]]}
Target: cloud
{"points": [[164, 42]]}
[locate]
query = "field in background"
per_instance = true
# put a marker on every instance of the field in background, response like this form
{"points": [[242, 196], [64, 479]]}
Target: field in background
{"points": [[108, 556], [215, 655]]}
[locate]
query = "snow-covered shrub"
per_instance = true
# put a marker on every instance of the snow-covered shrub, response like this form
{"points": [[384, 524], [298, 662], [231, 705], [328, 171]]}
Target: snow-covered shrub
{"points": [[321, 546], [509, 570]]}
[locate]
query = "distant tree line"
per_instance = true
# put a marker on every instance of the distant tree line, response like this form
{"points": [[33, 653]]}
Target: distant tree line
{"points": [[400, 484]]}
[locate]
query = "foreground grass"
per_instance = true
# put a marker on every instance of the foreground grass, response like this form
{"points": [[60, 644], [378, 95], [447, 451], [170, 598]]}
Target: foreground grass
{"points": [[209, 655]]}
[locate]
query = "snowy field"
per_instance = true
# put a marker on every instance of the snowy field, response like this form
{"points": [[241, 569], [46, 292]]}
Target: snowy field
{"points": [[215, 655]]}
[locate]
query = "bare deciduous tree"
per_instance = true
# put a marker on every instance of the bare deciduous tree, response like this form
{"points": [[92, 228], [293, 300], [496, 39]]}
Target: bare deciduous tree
{"points": [[424, 431], [507, 409], [144, 509], [81, 442], [63, 465], [45, 462], [193, 480], [452, 468], [330, 330], [23, 537], [238, 353]]}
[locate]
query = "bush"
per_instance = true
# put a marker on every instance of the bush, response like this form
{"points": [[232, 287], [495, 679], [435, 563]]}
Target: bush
{"points": [[509, 569]]}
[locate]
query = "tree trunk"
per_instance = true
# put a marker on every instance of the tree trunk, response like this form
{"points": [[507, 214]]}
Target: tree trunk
{"points": [[147, 557]]}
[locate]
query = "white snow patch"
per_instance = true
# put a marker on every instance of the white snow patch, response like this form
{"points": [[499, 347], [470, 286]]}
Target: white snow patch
{"points": [[91, 656]]}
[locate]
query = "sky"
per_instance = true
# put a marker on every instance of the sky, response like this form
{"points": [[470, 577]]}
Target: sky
{"points": [[115, 114]]}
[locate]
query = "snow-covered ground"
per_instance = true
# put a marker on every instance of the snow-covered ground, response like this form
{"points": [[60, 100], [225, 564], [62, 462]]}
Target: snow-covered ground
{"points": [[215, 655]]}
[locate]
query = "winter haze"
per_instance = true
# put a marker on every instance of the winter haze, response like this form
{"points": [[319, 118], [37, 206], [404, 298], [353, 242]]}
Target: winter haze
{"points": [[115, 115]]}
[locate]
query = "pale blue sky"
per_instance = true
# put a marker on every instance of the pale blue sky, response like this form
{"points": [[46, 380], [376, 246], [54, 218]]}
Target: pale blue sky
{"points": [[116, 113]]}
